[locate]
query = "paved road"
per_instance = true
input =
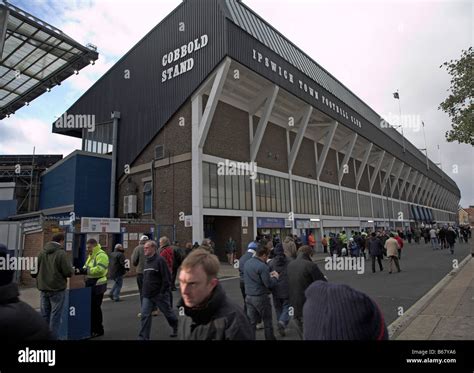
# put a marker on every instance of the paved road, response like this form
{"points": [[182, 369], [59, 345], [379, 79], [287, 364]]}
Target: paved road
{"points": [[421, 267]]}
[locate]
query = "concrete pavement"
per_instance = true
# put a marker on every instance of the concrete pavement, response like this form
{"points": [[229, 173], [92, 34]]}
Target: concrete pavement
{"points": [[448, 311]]}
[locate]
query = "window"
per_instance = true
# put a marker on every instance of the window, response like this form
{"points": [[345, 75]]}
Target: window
{"points": [[147, 198]]}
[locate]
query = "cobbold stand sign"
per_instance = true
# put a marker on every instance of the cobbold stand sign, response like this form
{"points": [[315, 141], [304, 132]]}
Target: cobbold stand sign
{"points": [[172, 58]]}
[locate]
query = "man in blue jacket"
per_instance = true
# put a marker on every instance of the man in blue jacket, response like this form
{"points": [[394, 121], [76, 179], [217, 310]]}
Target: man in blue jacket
{"points": [[258, 282]]}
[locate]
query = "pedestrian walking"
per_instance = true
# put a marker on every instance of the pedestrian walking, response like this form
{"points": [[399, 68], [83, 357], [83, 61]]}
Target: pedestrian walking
{"points": [[178, 257], [392, 247], [53, 270], [376, 251], [209, 313], [302, 272], [258, 282], [96, 269], [433, 239], [324, 243], [251, 250], [400, 245], [289, 247], [311, 240], [117, 270], [451, 239], [156, 291], [326, 315], [281, 292], [138, 261], [166, 251], [230, 249], [19, 322]]}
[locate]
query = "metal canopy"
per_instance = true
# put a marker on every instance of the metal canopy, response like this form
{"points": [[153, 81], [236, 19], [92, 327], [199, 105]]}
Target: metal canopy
{"points": [[34, 57]]}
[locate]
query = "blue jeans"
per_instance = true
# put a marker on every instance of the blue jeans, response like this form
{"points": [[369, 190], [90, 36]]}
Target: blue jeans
{"points": [[52, 303], [162, 302], [434, 243], [115, 292], [282, 306], [259, 307]]}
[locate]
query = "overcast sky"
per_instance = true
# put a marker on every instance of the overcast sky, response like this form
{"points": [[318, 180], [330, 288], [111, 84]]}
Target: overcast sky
{"points": [[373, 48]]}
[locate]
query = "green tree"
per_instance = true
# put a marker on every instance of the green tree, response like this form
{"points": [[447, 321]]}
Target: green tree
{"points": [[459, 105]]}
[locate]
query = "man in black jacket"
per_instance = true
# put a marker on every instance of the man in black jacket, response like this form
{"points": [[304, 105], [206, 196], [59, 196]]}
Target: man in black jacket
{"points": [[156, 289], [209, 314], [18, 321], [376, 250], [117, 270], [302, 272]]}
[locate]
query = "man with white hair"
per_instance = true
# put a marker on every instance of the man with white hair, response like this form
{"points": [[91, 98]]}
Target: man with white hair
{"points": [[117, 270], [138, 260]]}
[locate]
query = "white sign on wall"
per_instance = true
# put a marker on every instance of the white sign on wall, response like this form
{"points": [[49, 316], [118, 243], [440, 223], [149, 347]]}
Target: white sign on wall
{"points": [[188, 221], [100, 225], [245, 221]]}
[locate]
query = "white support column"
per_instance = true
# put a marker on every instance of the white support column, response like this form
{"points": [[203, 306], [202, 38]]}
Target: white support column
{"points": [[388, 172], [417, 187], [419, 191], [397, 179], [376, 171], [201, 122], [347, 155], [438, 196], [425, 192], [327, 145], [262, 124], [196, 172], [428, 192], [211, 105], [360, 172], [433, 194], [306, 114], [412, 182]]}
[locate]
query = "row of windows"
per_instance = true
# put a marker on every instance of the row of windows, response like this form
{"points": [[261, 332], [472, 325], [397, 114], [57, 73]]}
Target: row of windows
{"points": [[330, 202], [306, 198], [272, 194], [349, 203], [225, 191]]}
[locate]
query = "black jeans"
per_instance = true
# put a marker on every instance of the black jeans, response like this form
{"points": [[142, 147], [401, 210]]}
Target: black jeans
{"points": [[140, 285], [260, 306], [379, 259], [399, 253], [242, 290], [97, 294]]}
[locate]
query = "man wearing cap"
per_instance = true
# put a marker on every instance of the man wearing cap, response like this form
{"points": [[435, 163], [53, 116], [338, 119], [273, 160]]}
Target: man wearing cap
{"points": [[326, 316], [301, 273], [18, 321], [138, 260], [117, 270], [251, 249]]}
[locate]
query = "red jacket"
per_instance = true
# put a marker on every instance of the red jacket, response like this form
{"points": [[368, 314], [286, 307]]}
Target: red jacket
{"points": [[167, 253], [400, 241], [311, 240]]}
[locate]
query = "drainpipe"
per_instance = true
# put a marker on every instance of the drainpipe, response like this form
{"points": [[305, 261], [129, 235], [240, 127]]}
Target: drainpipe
{"points": [[115, 115]]}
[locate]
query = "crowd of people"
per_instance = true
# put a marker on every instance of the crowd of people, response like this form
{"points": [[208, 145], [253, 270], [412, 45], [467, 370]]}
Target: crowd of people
{"points": [[274, 275]]}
